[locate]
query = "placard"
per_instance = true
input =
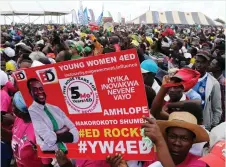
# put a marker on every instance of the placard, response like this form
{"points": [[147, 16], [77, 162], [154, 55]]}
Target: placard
{"points": [[89, 108]]}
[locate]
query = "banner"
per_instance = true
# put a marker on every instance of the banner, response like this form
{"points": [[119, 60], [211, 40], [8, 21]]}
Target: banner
{"points": [[89, 108]]}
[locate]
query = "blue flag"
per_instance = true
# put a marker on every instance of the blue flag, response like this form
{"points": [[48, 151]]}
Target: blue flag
{"points": [[85, 14], [99, 20], [80, 17]]}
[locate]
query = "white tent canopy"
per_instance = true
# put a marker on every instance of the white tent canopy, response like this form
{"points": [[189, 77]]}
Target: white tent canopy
{"points": [[18, 9]]}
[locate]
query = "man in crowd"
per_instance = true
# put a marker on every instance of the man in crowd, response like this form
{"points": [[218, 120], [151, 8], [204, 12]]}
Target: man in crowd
{"points": [[52, 127], [217, 67], [209, 89]]}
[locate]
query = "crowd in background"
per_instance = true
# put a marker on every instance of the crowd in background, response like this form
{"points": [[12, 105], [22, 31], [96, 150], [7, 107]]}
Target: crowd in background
{"points": [[183, 69]]}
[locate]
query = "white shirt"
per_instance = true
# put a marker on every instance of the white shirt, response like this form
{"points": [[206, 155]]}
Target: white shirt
{"points": [[133, 163], [45, 135], [156, 164], [200, 79], [197, 148]]}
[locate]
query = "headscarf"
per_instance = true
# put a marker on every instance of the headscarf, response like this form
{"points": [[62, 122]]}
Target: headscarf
{"points": [[19, 102]]}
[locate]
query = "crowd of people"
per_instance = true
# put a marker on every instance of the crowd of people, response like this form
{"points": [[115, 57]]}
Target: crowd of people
{"points": [[183, 70]]}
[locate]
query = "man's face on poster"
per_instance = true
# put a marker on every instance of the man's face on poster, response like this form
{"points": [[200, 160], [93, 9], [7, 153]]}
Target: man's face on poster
{"points": [[38, 92]]}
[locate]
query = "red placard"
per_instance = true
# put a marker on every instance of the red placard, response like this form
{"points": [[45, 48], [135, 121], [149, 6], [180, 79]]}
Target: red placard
{"points": [[100, 100]]}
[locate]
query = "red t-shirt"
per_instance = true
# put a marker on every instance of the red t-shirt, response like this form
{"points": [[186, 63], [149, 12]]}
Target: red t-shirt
{"points": [[190, 161]]}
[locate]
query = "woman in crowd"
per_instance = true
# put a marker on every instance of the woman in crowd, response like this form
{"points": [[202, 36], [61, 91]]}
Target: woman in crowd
{"points": [[23, 137]]}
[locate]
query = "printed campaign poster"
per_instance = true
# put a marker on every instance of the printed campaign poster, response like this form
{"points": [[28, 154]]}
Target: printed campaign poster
{"points": [[89, 108]]}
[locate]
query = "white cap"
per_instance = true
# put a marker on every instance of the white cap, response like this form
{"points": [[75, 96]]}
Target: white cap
{"points": [[3, 78], [9, 52]]}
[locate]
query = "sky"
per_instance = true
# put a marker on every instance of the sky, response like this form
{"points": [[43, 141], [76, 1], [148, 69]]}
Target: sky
{"points": [[128, 9]]}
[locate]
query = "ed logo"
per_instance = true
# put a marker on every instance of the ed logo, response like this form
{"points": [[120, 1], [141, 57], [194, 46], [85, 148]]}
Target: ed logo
{"points": [[47, 75], [20, 75]]}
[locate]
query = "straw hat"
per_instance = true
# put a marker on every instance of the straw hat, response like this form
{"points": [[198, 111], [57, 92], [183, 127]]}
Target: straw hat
{"points": [[187, 121]]}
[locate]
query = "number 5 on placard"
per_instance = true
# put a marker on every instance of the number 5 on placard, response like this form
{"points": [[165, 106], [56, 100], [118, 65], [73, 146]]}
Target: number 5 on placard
{"points": [[74, 92]]}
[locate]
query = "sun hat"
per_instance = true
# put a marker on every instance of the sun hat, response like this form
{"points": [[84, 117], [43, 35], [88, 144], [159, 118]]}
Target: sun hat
{"points": [[216, 157], [19, 102], [187, 76], [187, 121], [149, 66], [9, 52]]}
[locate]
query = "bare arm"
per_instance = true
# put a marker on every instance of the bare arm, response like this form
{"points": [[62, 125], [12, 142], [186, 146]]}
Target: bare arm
{"points": [[164, 155], [158, 102], [180, 104]]}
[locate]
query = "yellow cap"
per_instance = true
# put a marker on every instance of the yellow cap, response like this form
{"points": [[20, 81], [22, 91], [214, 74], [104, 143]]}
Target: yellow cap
{"points": [[149, 40], [10, 66]]}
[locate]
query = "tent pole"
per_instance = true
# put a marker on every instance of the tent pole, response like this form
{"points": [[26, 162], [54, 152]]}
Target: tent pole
{"points": [[44, 18], [51, 19], [64, 19], [72, 17], [29, 18], [5, 19], [13, 18]]}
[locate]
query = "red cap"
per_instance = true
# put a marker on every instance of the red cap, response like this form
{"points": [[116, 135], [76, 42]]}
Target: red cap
{"points": [[216, 157], [188, 76]]}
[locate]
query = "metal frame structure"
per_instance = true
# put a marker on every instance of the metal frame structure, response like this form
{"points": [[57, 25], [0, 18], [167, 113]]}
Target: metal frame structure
{"points": [[27, 14]]}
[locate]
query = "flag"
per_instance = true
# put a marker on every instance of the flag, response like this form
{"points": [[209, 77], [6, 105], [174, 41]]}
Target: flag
{"points": [[99, 20], [74, 17], [85, 15], [92, 15], [80, 13], [80, 17]]}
